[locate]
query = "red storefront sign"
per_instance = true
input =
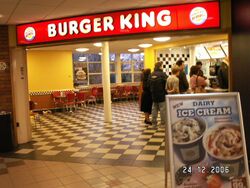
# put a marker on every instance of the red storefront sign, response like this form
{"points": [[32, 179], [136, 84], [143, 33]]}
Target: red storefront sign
{"points": [[148, 20]]}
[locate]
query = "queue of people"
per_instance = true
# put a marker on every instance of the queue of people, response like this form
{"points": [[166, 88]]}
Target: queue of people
{"points": [[157, 84]]}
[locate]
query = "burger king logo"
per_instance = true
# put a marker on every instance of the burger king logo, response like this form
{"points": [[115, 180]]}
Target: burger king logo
{"points": [[29, 33], [198, 16]]}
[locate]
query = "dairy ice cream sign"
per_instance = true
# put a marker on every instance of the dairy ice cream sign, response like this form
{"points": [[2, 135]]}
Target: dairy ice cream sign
{"points": [[148, 20], [207, 141]]}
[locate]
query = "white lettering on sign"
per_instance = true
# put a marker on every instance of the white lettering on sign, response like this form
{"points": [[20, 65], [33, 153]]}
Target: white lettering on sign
{"points": [[52, 30], [73, 27], [85, 26], [125, 21], [62, 29], [148, 19], [106, 23], [97, 25], [137, 20], [164, 18]]}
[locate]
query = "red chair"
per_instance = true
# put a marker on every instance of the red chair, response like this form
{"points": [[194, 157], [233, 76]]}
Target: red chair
{"points": [[135, 92], [99, 94], [93, 96], [70, 101], [58, 98], [80, 99], [128, 92]]}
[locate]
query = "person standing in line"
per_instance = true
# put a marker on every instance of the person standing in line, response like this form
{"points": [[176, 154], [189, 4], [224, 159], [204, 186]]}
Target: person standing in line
{"points": [[183, 83], [199, 65], [157, 88], [197, 82], [223, 74], [172, 86], [146, 98]]}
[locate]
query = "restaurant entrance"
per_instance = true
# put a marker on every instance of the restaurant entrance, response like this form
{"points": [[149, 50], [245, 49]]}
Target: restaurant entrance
{"points": [[71, 68], [69, 129]]}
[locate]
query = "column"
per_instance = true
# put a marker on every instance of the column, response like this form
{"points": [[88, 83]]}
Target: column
{"points": [[106, 82], [118, 69], [21, 95]]}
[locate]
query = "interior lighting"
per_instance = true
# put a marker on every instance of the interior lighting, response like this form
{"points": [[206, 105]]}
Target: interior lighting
{"points": [[133, 50], [100, 53], [98, 44], [162, 39], [145, 45], [82, 49], [1, 15]]}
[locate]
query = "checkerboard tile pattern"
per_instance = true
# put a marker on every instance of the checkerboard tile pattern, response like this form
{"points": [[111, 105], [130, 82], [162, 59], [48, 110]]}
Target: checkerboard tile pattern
{"points": [[82, 136], [169, 58]]}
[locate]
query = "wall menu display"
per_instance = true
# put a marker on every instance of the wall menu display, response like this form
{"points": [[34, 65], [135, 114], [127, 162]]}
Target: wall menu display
{"points": [[215, 52], [201, 53], [206, 141], [225, 48]]}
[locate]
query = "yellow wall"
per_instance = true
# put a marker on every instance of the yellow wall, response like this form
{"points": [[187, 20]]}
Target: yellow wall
{"points": [[150, 53], [50, 70]]}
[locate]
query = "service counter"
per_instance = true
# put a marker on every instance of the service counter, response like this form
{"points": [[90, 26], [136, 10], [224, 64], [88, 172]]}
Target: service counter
{"points": [[215, 90]]}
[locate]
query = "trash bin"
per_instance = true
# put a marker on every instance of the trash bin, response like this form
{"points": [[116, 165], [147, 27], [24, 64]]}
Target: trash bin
{"points": [[6, 132]]}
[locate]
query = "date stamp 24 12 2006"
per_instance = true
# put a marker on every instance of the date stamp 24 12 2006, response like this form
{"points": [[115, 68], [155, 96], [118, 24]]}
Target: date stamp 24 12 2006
{"points": [[206, 169]]}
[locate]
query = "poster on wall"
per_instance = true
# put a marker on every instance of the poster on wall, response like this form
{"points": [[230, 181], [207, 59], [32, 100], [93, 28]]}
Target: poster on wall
{"points": [[206, 141], [80, 73]]}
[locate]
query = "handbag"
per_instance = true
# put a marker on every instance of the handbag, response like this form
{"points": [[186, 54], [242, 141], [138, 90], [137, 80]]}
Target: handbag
{"points": [[199, 89]]}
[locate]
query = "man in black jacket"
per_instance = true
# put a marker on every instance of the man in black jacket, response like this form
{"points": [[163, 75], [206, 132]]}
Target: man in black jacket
{"points": [[183, 83], [157, 88]]}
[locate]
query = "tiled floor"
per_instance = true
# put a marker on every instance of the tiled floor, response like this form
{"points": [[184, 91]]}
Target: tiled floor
{"points": [[19, 173], [83, 137]]}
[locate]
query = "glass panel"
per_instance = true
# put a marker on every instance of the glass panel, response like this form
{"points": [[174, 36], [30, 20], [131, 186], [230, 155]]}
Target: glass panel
{"points": [[95, 67], [112, 78], [94, 58], [126, 67], [95, 79], [112, 67], [112, 57], [79, 57], [137, 77], [126, 77], [126, 57], [138, 65]]}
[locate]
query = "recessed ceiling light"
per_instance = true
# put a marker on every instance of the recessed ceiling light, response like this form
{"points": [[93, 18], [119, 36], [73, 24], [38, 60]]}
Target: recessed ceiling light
{"points": [[82, 49], [161, 39], [170, 49], [145, 45], [184, 47], [98, 44], [133, 50]]}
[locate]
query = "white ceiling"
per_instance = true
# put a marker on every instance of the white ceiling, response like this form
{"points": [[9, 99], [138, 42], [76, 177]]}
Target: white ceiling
{"points": [[24, 11]]}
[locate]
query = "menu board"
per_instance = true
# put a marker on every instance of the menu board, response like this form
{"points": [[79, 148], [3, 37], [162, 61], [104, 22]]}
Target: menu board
{"points": [[201, 53], [215, 52], [225, 48], [206, 141]]}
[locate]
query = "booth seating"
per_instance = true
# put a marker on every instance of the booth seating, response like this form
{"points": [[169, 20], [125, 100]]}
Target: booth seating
{"points": [[64, 99]]}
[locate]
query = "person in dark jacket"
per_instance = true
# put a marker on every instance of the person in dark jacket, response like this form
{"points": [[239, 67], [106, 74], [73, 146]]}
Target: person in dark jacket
{"points": [[157, 87], [183, 83], [146, 98], [223, 75]]}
